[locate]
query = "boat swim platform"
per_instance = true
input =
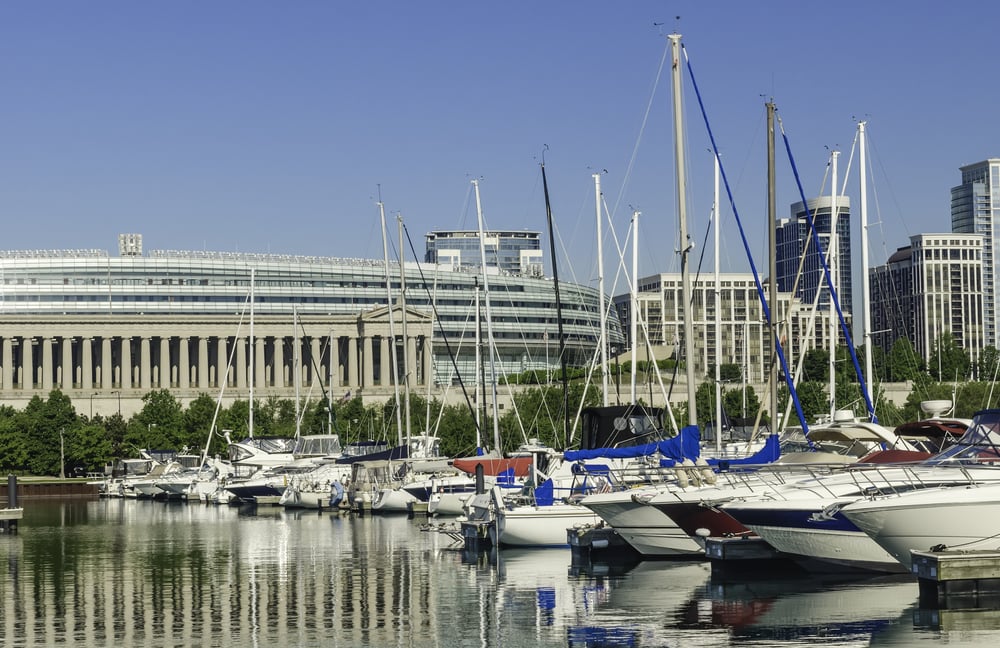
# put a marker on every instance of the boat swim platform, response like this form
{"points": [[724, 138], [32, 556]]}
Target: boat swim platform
{"points": [[9, 517], [952, 579], [599, 543]]}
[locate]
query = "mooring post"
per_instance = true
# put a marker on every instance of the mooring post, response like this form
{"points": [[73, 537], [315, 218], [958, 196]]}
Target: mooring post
{"points": [[480, 479]]}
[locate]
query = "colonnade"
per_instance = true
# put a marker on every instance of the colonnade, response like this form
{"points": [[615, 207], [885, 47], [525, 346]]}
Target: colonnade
{"points": [[172, 353]]}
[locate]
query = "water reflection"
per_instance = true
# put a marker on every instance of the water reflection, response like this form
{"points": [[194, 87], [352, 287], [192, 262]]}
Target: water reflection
{"points": [[116, 572]]}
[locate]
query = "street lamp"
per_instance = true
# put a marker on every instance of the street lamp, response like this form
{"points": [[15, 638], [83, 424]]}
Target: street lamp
{"points": [[119, 402], [92, 404], [62, 453]]}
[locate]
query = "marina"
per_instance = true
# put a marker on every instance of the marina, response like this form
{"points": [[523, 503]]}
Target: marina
{"points": [[149, 573]]}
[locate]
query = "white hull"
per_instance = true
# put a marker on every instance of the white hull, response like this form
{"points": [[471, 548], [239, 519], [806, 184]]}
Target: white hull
{"points": [[393, 500], [962, 518], [650, 532], [845, 548], [447, 503], [541, 526]]}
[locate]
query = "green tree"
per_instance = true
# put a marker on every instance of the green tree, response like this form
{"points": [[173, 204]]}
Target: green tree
{"points": [[45, 421], [988, 366], [159, 425], [903, 363], [948, 361], [816, 366]]}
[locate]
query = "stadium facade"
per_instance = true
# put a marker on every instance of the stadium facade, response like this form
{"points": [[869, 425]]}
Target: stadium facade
{"points": [[109, 329]]}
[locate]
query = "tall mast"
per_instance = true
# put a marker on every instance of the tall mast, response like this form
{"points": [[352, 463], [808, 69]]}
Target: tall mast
{"points": [[866, 315], [559, 319], [480, 382], [489, 318], [834, 276], [600, 291], [394, 361], [296, 369], [407, 368], [718, 316], [635, 301], [772, 269], [688, 314], [251, 368]]}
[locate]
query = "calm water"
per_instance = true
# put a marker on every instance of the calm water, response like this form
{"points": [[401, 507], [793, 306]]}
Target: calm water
{"points": [[138, 573]]}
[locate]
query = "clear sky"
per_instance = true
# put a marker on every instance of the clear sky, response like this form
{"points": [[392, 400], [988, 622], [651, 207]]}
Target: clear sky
{"points": [[265, 126]]}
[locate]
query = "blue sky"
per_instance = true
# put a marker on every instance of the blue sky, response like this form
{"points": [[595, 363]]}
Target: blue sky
{"points": [[273, 126]]}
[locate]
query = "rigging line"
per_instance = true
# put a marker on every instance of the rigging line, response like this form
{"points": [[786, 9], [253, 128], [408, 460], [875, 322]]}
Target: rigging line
{"points": [[444, 336], [642, 126], [826, 271], [746, 246]]}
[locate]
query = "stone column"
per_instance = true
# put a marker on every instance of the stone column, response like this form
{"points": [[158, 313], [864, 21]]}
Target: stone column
{"points": [[87, 363], [260, 375], [241, 363], [202, 377], [315, 366], [184, 362], [428, 362], [126, 361], [107, 364], [68, 370], [352, 361], [411, 361], [27, 363], [385, 362], [47, 364], [166, 368], [145, 364], [221, 363], [366, 359], [8, 364], [279, 363]]}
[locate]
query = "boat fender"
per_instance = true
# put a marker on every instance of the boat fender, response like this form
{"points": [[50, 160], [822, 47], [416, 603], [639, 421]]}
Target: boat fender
{"points": [[682, 476], [694, 476], [708, 475]]}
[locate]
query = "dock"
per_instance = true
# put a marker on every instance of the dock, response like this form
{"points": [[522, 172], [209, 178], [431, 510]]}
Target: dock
{"points": [[740, 555], [957, 579]]}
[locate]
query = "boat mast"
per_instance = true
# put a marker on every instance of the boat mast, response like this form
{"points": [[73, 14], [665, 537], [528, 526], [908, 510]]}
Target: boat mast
{"points": [[866, 315], [559, 319], [834, 275], [635, 301], [394, 362], [772, 229], [675, 44], [718, 316], [600, 290], [407, 365], [251, 368], [489, 317], [296, 375]]}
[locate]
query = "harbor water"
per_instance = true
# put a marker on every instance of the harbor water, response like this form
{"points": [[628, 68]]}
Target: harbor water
{"points": [[91, 573]]}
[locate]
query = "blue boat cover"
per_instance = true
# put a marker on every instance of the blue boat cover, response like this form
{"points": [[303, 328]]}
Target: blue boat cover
{"points": [[686, 445]]}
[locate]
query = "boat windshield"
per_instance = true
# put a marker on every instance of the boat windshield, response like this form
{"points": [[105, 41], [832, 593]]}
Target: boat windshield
{"points": [[979, 444]]}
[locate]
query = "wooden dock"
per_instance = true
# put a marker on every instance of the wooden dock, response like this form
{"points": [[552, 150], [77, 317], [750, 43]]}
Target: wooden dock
{"points": [[957, 579]]}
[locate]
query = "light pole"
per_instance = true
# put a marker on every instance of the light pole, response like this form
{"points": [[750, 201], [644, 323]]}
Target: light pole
{"points": [[92, 404], [62, 453], [119, 402]]}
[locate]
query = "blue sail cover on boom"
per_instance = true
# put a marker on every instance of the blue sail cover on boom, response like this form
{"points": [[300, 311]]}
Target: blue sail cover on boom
{"points": [[686, 445]]}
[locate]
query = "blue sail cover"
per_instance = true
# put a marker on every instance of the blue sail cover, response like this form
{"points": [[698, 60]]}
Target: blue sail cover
{"points": [[768, 454], [686, 445]]}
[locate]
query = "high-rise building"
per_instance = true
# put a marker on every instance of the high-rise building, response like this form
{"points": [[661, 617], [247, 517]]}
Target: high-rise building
{"points": [[513, 252], [932, 287], [975, 209], [795, 247]]}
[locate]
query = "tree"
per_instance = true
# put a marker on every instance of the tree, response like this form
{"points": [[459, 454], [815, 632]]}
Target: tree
{"points": [[903, 362], [948, 361], [816, 365], [989, 364]]}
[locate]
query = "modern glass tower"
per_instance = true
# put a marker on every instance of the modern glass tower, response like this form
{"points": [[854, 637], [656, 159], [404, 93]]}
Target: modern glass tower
{"points": [[975, 209]]}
